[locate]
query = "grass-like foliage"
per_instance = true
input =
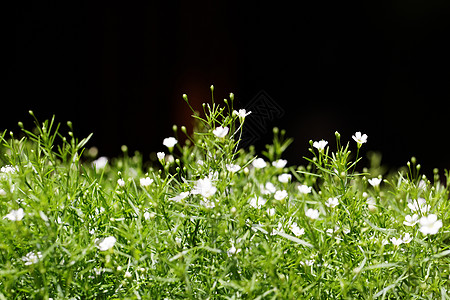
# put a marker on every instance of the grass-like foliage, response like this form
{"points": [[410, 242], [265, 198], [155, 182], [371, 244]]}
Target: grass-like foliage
{"points": [[211, 221]]}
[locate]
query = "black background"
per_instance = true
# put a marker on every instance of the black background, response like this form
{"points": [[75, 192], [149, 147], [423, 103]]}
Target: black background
{"points": [[118, 69]]}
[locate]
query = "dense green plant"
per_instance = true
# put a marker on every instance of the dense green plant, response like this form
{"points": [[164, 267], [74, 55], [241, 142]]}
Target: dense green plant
{"points": [[211, 221]]}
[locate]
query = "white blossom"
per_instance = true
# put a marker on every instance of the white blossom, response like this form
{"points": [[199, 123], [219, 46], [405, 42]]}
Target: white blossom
{"points": [[269, 188], [411, 221], [284, 178], [396, 242], [419, 205], [15, 215], [121, 182], [332, 202], [312, 213], [375, 181], [371, 204], [304, 189], [280, 163], [407, 238], [32, 258], [179, 197], [100, 163], [220, 131], [160, 155], [170, 142], [259, 163], [257, 202], [320, 145], [204, 187], [8, 169], [280, 195], [145, 181], [233, 251], [430, 224], [105, 243], [297, 231], [242, 113], [232, 168], [360, 138]]}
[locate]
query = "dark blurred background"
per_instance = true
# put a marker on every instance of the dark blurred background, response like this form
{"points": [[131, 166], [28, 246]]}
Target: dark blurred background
{"points": [[119, 69]]}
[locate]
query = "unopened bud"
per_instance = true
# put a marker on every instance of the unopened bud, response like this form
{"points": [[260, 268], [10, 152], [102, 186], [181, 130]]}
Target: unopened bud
{"points": [[231, 96], [183, 129], [212, 88], [185, 97]]}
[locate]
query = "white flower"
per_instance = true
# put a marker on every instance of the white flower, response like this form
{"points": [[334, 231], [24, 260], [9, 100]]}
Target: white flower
{"points": [[430, 224], [170, 142], [304, 189], [411, 221], [269, 188], [180, 197], [371, 204], [121, 182], [145, 181], [259, 163], [232, 168], [233, 251], [15, 215], [280, 163], [100, 163], [32, 258], [332, 202], [127, 274], [374, 181], [242, 113], [220, 131], [8, 169], [406, 238], [204, 187], [320, 145], [360, 138], [297, 231], [106, 243], [161, 155], [396, 242], [312, 213], [271, 212], [419, 205], [257, 202], [284, 178], [280, 195]]}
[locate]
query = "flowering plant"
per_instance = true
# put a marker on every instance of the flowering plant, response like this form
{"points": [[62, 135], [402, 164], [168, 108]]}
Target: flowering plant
{"points": [[211, 220]]}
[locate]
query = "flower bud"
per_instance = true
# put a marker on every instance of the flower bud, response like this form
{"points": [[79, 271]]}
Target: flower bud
{"points": [[185, 97]]}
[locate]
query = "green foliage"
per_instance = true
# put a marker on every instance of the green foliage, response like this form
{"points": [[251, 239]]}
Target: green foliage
{"points": [[209, 221]]}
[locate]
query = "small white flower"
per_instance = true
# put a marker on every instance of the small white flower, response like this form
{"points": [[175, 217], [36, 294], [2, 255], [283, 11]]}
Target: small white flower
{"points": [[233, 251], [232, 168], [161, 155], [100, 163], [204, 187], [332, 202], [257, 202], [396, 242], [121, 182], [32, 258], [15, 215], [259, 163], [430, 224], [304, 189], [280, 163], [146, 215], [371, 204], [284, 178], [105, 243], [411, 221], [127, 274], [374, 181], [297, 231], [271, 212], [280, 195], [145, 181], [8, 169], [407, 238], [269, 188], [179, 197], [312, 213], [220, 131], [320, 145], [242, 113], [170, 142], [419, 205], [360, 138]]}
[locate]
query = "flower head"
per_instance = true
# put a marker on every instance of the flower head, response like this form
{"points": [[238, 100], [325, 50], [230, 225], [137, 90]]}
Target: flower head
{"points": [[232, 168], [280, 195], [257, 202], [145, 181], [242, 113], [411, 221], [204, 187], [374, 181], [396, 242], [121, 182], [407, 238], [430, 224], [259, 163], [332, 202], [419, 205], [280, 163], [100, 163], [220, 131], [105, 243], [160, 155], [360, 138], [284, 178], [304, 189], [170, 142], [297, 231], [312, 213], [32, 258], [320, 145], [15, 215]]}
